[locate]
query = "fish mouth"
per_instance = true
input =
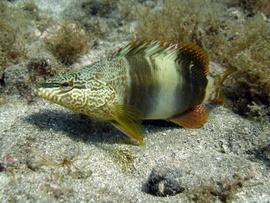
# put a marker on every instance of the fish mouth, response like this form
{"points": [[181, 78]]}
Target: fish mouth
{"points": [[49, 94], [39, 89], [36, 91], [42, 92], [45, 90]]}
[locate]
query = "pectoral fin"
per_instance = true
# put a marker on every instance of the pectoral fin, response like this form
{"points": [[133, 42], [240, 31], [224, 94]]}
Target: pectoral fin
{"points": [[132, 130], [127, 120], [194, 118]]}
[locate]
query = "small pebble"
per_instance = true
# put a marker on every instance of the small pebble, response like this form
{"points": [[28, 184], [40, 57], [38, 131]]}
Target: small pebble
{"points": [[162, 182]]}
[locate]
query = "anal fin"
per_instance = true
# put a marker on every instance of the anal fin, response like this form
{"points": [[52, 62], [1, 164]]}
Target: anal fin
{"points": [[194, 118]]}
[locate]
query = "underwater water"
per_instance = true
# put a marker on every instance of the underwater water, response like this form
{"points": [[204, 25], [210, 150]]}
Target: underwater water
{"points": [[50, 153]]}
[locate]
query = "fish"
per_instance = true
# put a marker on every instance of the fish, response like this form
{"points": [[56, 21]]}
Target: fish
{"points": [[147, 79]]}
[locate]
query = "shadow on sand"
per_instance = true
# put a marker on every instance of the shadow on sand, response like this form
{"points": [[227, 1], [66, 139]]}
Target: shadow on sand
{"points": [[83, 128], [261, 154]]}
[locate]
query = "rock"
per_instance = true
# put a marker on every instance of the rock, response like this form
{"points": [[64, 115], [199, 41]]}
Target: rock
{"points": [[163, 182], [98, 8], [2, 167]]}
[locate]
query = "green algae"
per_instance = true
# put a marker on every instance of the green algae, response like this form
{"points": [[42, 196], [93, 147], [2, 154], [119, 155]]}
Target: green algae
{"points": [[68, 43], [123, 158], [223, 190]]}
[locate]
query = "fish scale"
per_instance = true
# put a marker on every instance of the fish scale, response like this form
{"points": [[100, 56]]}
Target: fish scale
{"points": [[146, 79]]}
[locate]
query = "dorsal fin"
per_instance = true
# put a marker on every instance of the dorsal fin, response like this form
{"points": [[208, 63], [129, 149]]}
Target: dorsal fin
{"points": [[165, 47]]}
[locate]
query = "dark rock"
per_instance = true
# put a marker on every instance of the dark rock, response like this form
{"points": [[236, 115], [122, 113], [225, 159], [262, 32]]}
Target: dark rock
{"points": [[163, 182], [2, 79], [98, 8], [260, 154], [2, 167]]}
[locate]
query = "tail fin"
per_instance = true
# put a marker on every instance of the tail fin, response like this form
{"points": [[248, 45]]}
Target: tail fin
{"points": [[217, 96]]}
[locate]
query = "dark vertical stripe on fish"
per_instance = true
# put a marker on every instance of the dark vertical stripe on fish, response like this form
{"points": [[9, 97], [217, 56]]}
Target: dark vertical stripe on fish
{"points": [[143, 86], [183, 92], [191, 90]]}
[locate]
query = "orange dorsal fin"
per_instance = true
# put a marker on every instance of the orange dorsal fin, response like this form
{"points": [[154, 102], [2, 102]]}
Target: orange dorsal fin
{"points": [[194, 118], [169, 47]]}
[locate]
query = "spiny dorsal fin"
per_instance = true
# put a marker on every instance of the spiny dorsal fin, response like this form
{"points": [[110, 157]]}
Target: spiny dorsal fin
{"points": [[165, 47]]}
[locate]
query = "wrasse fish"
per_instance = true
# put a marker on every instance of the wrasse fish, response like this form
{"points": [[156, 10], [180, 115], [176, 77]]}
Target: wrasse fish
{"points": [[146, 79]]}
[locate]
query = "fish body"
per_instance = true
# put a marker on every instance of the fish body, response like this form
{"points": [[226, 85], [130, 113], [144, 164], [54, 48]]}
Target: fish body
{"points": [[146, 79]]}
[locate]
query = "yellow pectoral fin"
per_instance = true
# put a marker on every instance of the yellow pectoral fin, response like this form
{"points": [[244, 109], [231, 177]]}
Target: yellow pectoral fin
{"points": [[194, 118], [126, 119], [133, 130]]}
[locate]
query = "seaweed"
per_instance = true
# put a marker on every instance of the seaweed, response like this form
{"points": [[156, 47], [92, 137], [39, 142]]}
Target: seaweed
{"points": [[122, 157], [13, 35], [61, 168], [263, 6], [13, 38], [68, 42], [98, 17], [223, 190], [11, 47]]}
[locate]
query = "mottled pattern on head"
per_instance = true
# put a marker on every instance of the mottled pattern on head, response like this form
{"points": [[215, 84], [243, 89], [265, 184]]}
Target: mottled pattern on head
{"points": [[90, 90]]}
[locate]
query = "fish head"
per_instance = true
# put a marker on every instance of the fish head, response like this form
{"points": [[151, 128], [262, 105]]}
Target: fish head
{"points": [[66, 89]]}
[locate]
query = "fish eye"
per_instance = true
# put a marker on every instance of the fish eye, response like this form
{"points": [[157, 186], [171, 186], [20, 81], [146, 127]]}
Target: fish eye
{"points": [[66, 84]]}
